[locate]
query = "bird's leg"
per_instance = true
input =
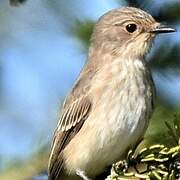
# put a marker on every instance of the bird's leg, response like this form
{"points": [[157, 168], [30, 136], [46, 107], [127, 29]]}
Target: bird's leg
{"points": [[82, 174]]}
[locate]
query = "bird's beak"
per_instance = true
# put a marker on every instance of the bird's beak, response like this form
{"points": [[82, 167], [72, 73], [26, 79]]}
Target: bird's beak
{"points": [[162, 29]]}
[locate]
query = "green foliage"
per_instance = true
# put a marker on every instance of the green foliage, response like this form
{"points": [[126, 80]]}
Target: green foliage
{"points": [[174, 129], [168, 60], [136, 3], [27, 169], [170, 13], [157, 132], [83, 31]]}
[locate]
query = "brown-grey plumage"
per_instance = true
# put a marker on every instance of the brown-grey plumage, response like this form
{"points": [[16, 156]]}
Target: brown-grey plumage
{"points": [[112, 98]]}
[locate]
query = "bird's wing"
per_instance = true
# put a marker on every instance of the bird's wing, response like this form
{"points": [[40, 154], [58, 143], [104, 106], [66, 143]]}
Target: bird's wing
{"points": [[71, 121], [77, 111]]}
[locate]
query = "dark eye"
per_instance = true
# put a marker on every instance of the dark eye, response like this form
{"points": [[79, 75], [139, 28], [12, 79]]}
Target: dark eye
{"points": [[131, 28]]}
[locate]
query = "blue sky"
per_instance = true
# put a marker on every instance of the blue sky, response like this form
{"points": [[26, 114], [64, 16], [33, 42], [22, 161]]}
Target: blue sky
{"points": [[40, 62]]}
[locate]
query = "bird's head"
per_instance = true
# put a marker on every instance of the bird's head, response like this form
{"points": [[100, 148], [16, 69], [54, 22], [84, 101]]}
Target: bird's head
{"points": [[127, 31]]}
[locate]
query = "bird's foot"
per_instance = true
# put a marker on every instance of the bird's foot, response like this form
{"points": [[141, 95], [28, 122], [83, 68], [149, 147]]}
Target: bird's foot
{"points": [[82, 174]]}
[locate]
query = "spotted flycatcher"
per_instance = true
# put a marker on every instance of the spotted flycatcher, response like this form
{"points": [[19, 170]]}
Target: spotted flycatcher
{"points": [[108, 110]]}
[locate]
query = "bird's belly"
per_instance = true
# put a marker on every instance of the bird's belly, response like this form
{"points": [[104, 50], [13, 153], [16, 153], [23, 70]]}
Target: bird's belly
{"points": [[120, 127]]}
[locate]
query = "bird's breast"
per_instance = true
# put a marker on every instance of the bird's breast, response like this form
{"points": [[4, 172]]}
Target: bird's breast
{"points": [[124, 106]]}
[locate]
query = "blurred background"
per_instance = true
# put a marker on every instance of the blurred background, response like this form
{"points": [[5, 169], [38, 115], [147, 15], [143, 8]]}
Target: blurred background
{"points": [[43, 46]]}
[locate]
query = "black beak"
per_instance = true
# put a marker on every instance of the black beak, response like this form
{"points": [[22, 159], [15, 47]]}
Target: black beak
{"points": [[162, 29]]}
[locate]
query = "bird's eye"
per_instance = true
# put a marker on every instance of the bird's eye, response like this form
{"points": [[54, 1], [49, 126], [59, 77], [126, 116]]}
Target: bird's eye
{"points": [[131, 28]]}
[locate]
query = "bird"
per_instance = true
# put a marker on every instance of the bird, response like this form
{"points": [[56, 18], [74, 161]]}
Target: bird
{"points": [[109, 107]]}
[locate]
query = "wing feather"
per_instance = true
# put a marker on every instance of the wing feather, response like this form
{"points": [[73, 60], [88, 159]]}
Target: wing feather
{"points": [[71, 121], [73, 114]]}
